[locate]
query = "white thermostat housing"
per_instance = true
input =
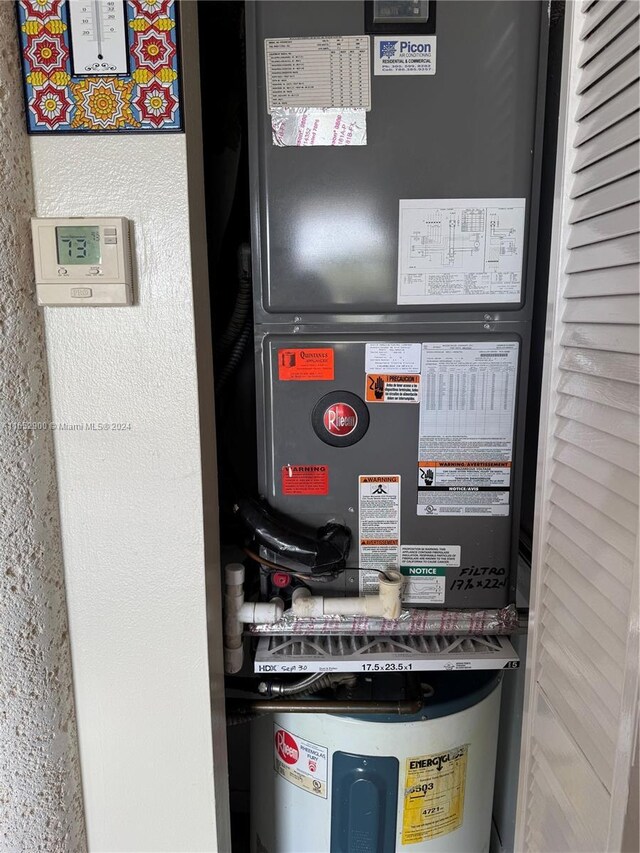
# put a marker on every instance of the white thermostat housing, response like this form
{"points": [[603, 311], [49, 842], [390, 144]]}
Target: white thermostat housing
{"points": [[82, 260]]}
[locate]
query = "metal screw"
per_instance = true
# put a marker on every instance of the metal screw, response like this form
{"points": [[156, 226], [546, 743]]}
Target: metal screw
{"points": [[485, 326], [488, 317], [297, 319], [351, 509], [296, 329]]}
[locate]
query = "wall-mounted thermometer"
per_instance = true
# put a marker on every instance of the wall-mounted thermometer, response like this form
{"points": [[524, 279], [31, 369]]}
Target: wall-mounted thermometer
{"points": [[98, 37]]}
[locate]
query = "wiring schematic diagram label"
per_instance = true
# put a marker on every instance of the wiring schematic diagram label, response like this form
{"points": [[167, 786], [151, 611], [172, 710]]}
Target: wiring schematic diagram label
{"points": [[460, 251]]}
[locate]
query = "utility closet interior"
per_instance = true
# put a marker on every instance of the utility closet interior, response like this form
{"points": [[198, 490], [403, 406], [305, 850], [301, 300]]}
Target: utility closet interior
{"points": [[379, 187], [340, 456]]}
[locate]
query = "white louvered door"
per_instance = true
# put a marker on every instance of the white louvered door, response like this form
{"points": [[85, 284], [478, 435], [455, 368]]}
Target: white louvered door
{"points": [[582, 671]]}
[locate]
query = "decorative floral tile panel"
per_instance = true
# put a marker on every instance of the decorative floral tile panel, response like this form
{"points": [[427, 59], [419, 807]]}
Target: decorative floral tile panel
{"points": [[146, 98]]}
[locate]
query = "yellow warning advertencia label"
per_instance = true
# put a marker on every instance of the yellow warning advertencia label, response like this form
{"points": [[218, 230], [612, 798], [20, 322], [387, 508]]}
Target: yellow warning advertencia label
{"points": [[434, 794]]}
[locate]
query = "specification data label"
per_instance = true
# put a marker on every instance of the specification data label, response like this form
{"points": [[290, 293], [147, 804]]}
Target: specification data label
{"points": [[467, 410], [318, 72]]}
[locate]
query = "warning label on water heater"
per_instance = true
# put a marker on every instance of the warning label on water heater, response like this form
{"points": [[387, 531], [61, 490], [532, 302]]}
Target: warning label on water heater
{"points": [[379, 505], [467, 409], [434, 794]]}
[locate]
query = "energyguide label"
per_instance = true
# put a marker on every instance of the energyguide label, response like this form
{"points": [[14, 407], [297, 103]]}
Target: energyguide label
{"points": [[434, 794]]}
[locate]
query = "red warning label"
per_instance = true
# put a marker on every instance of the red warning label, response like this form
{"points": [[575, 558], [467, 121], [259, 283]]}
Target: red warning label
{"points": [[305, 364], [305, 479]]}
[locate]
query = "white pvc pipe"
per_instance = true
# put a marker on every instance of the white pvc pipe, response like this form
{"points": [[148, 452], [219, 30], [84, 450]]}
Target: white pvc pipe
{"points": [[386, 604], [238, 612]]}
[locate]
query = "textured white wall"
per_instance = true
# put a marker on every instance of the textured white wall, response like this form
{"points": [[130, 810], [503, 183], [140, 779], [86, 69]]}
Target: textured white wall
{"points": [[131, 502], [40, 794]]}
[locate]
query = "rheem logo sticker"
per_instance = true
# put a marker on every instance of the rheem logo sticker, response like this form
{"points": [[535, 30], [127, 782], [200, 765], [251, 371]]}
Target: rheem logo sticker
{"points": [[340, 419], [300, 762], [286, 747]]}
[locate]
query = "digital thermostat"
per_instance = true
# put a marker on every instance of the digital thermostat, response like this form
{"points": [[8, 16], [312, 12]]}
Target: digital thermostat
{"points": [[82, 261]]}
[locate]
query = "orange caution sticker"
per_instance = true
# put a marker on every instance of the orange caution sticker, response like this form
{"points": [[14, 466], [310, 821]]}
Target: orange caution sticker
{"points": [[392, 388], [305, 364]]}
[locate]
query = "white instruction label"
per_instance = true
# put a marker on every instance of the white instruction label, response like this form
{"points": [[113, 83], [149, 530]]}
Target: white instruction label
{"points": [[300, 762], [318, 72], [424, 570], [467, 410], [460, 251], [379, 506], [393, 358], [430, 555], [406, 55]]}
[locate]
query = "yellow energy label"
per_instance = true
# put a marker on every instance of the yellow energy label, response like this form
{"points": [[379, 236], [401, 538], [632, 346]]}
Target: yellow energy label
{"points": [[434, 794]]}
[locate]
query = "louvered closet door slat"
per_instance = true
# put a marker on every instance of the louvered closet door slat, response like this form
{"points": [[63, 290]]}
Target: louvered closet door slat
{"points": [[609, 58], [606, 143], [611, 448], [569, 632], [619, 78], [562, 611], [611, 365], [623, 104], [597, 496], [565, 668], [616, 479], [611, 560], [603, 172], [618, 223], [594, 596], [611, 253], [575, 554], [615, 282], [616, 23], [601, 337], [603, 309], [622, 424], [612, 197], [618, 395], [595, 13], [577, 783]]}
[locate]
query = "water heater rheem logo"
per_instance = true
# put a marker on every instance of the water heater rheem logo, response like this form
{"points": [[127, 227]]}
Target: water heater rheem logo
{"points": [[286, 747]]}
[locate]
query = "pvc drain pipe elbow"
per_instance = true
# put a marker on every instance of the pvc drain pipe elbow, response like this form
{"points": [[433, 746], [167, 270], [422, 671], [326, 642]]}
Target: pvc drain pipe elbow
{"points": [[238, 612], [386, 604]]}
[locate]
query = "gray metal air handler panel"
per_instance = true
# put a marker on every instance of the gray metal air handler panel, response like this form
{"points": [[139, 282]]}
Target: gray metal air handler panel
{"points": [[325, 241], [326, 219], [390, 446]]}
